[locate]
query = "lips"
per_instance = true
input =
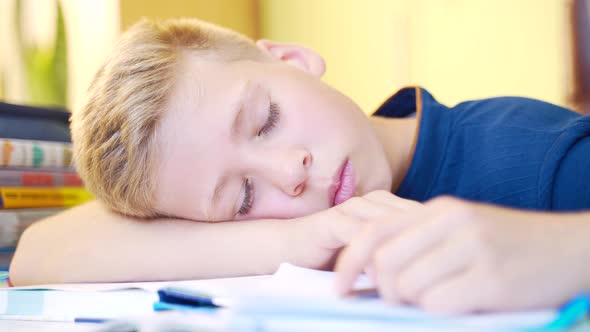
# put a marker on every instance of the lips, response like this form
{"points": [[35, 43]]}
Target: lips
{"points": [[343, 187]]}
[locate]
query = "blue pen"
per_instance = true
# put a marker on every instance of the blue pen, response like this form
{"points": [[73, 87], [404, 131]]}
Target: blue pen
{"points": [[186, 297], [571, 313], [163, 306]]}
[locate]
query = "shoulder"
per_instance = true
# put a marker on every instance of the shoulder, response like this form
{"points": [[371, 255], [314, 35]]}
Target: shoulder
{"points": [[510, 115], [516, 112], [565, 170], [496, 111]]}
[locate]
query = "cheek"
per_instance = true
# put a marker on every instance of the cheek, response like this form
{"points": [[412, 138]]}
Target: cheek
{"points": [[275, 206], [327, 112], [313, 116], [324, 127], [309, 126], [312, 107], [280, 206]]}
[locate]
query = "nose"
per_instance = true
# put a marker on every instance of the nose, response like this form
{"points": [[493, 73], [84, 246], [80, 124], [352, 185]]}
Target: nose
{"points": [[287, 169]]}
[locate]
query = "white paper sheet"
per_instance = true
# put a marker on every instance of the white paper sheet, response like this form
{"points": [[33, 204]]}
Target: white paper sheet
{"points": [[292, 294], [295, 292]]}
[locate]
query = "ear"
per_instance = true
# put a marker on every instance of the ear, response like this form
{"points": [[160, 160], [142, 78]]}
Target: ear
{"points": [[298, 56]]}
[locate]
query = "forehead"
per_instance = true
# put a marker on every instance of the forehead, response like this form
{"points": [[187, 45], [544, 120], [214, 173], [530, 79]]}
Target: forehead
{"points": [[193, 135]]}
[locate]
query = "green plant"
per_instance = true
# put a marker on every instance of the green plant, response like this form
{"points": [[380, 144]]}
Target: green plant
{"points": [[45, 68]]}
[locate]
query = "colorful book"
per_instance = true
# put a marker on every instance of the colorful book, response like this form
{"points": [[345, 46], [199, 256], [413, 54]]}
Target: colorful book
{"points": [[5, 258], [3, 276], [26, 197], [36, 154], [38, 178]]}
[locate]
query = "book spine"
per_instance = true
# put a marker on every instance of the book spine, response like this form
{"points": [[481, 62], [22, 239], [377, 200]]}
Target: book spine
{"points": [[5, 258], [23, 178], [26, 197], [36, 154]]}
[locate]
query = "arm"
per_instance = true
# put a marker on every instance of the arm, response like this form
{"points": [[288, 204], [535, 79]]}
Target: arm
{"points": [[91, 244], [457, 256]]}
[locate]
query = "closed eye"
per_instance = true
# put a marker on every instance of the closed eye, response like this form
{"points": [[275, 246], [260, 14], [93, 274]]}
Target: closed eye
{"points": [[271, 121], [270, 124], [248, 198]]}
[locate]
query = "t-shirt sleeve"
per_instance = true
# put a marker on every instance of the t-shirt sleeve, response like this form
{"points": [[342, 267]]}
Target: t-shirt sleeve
{"points": [[571, 186]]}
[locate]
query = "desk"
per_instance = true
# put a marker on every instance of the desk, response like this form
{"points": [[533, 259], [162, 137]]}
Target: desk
{"points": [[21, 326], [88, 308], [26, 326]]}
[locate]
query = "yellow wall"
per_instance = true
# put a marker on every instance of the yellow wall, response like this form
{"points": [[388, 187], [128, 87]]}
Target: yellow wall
{"points": [[94, 26], [479, 48], [239, 15], [458, 49], [356, 39], [91, 30]]}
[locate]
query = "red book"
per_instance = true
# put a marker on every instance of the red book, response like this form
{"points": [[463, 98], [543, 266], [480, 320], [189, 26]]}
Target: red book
{"points": [[25, 178]]}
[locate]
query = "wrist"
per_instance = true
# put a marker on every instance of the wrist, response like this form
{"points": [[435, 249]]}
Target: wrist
{"points": [[292, 234], [277, 249], [301, 244]]}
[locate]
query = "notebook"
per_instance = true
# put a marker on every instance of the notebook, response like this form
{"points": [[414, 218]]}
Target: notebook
{"points": [[292, 294]]}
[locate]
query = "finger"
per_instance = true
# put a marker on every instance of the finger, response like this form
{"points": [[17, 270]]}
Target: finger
{"points": [[391, 200], [370, 272], [434, 267], [345, 220], [357, 255], [466, 292], [363, 208], [398, 252]]}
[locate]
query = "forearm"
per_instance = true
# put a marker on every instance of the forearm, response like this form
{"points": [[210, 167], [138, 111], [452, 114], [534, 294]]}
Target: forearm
{"points": [[578, 243], [90, 244]]}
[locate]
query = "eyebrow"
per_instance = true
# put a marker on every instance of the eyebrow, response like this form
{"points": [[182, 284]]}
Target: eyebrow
{"points": [[236, 124]]}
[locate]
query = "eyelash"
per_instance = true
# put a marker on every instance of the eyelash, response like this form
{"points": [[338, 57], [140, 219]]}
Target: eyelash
{"points": [[248, 198], [271, 122]]}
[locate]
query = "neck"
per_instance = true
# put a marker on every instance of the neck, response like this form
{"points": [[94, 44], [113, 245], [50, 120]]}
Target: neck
{"points": [[398, 138]]}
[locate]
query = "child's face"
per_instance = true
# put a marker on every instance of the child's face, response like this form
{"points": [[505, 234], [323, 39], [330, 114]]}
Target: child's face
{"points": [[287, 156]]}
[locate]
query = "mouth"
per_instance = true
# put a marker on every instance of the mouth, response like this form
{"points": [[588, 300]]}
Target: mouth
{"points": [[343, 187]]}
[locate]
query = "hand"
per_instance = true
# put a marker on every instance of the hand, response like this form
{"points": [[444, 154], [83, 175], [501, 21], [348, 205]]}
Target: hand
{"points": [[453, 256], [314, 240]]}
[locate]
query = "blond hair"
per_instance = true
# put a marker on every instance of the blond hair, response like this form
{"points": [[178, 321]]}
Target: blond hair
{"points": [[114, 132]]}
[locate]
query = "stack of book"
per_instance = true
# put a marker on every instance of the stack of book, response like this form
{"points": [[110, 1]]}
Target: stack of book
{"points": [[37, 179]]}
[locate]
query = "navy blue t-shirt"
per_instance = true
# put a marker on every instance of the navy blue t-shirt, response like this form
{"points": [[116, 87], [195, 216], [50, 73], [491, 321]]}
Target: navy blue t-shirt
{"points": [[511, 151]]}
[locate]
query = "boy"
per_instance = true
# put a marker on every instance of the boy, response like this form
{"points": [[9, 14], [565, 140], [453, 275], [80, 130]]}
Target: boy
{"points": [[187, 120]]}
